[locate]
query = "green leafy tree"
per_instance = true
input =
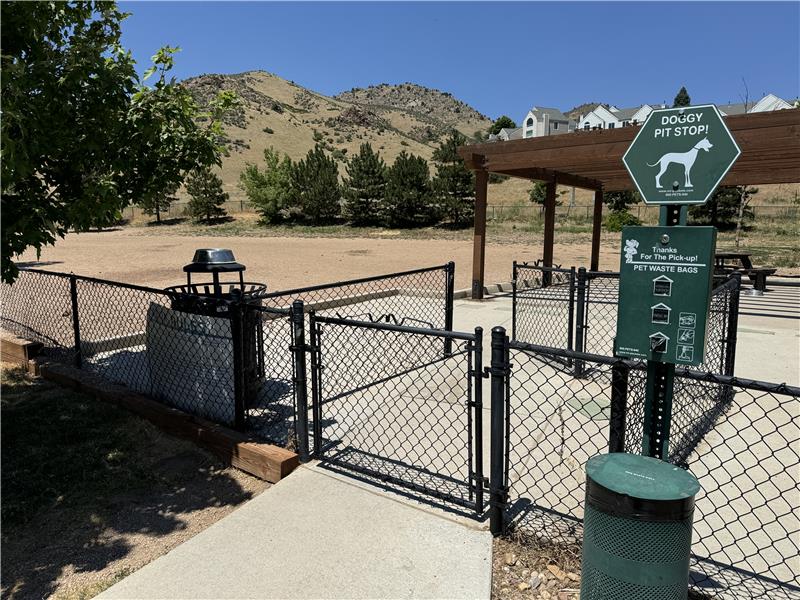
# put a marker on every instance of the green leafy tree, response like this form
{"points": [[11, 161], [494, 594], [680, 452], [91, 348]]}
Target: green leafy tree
{"points": [[154, 204], [207, 196], [722, 209], [407, 202], [538, 194], [270, 189], [454, 184], [316, 192], [365, 187], [619, 204], [503, 122], [682, 99], [81, 136]]}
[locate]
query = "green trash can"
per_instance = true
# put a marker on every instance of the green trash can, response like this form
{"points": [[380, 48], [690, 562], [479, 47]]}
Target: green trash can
{"points": [[637, 529]]}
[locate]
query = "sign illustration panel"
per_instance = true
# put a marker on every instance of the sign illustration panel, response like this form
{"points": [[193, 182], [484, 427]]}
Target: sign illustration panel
{"points": [[680, 155]]}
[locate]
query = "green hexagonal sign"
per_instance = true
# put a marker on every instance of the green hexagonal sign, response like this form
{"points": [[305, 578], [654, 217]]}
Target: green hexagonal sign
{"points": [[680, 155]]}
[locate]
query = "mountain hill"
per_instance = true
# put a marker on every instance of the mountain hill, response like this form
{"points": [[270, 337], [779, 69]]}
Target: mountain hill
{"points": [[578, 111], [290, 118]]}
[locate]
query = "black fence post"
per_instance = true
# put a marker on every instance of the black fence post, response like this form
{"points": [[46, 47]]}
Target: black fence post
{"points": [[732, 326], [499, 374], [619, 398], [316, 384], [76, 324], [450, 275], [514, 300], [300, 389], [478, 407], [580, 320], [237, 339], [571, 315]]}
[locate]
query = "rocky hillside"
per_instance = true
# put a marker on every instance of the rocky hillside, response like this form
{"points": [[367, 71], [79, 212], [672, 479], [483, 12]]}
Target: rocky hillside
{"points": [[578, 111], [440, 110], [291, 118]]}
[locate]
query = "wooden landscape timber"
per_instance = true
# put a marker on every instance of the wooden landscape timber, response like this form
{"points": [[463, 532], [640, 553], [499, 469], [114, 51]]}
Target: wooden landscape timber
{"points": [[769, 141], [261, 460], [16, 350]]}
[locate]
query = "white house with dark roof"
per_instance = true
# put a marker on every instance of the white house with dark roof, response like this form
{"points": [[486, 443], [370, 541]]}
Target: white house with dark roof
{"points": [[541, 121], [611, 117], [509, 133], [768, 103]]}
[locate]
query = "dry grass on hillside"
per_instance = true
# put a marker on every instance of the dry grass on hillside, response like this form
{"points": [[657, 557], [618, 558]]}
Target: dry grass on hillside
{"points": [[301, 112]]}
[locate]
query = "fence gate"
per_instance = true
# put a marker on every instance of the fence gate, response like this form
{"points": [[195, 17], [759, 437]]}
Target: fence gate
{"points": [[399, 405], [543, 305]]}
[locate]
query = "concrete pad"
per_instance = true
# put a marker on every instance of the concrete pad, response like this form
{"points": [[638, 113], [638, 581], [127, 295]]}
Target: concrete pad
{"points": [[314, 535]]}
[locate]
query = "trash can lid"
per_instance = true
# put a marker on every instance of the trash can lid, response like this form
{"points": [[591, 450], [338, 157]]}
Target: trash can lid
{"points": [[639, 486]]}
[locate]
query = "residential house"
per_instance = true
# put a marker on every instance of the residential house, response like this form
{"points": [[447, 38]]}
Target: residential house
{"points": [[611, 117], [508, 133], [768, 103], [542, 121]]}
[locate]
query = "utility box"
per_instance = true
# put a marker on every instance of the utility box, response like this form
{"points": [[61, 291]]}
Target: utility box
{"points": [[664, 293], [637, 529]]}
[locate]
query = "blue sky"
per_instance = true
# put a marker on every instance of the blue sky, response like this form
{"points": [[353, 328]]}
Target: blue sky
{"points": [[498, 57]]}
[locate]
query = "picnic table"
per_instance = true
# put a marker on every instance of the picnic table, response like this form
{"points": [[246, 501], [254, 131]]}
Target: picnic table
{"points": [[728, 262]]}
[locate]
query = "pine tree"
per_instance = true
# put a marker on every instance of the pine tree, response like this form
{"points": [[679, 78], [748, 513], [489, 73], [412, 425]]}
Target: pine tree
{"points": [[722, 208], [682, 99], [365, 187], [205, 189], [269, 190], [315, 187], [454, 184], [620, 216], [407, 202], [159, 202], [538, 193]]}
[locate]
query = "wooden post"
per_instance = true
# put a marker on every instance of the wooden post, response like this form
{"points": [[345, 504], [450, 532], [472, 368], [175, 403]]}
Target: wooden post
{"points": [[479, 241], [549, 222], [597, 224]]}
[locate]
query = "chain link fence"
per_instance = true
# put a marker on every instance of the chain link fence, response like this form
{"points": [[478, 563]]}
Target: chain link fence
{"points": [[403, 414], [577, 309], [738, 437], [543, 301], [239, 363]]}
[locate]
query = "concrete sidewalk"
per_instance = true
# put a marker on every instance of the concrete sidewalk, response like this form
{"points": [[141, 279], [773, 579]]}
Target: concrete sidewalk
{"points": [[320, 535]]}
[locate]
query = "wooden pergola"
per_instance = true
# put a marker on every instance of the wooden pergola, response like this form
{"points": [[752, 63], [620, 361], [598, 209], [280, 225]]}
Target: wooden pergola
{"points": [[770, 144]]}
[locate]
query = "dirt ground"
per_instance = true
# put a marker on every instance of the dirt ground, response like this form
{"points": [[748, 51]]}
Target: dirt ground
{"points": [[523, 570], [83, 509], [284, 262]]}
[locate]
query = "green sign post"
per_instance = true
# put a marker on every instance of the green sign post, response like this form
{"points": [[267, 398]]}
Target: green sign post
{"points": [[678, 157]]}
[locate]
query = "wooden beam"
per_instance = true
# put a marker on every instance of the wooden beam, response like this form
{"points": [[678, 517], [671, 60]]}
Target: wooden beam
{"points": [[559, 177], [479, 238], [597, 224], [770, 144], [736, 123], [549, 223], [474, 161], [265, 461], [17, 350]]}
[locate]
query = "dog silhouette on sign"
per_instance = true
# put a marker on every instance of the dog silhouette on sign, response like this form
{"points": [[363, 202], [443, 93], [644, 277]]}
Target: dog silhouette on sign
{"points": [[684, 158]]}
